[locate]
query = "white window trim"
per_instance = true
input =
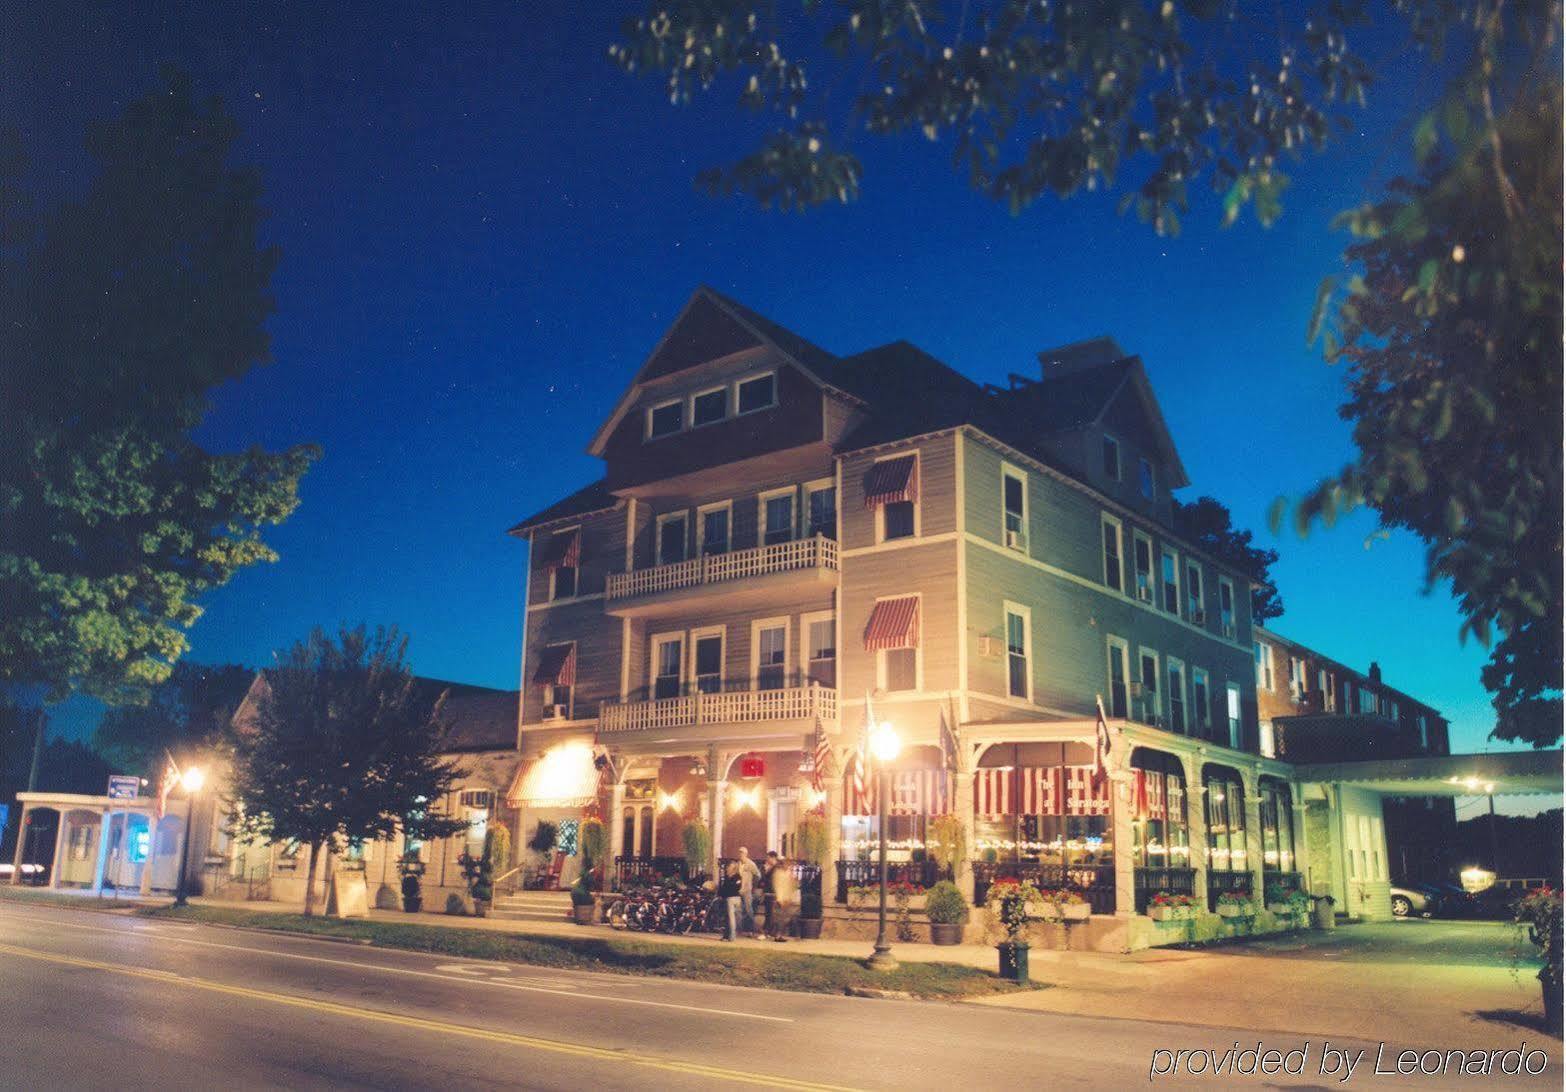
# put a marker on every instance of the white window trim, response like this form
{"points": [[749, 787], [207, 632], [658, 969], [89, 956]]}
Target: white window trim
{"points": [[647, 431], [1120, 460], [1206, 707], [1111, 645], [549, 688], [1107, 520], [918, 504], [1152, 570], [701, 525], [811, 489], [1170, 663], [805, 622], [742, 380], [789, 491], [690, 408], [1008, 608], [1010, 471], [880, 654], [1234, 609], [720, 632], [1142, 652], [573, 530], [670, 517], [1266, 676], [1236, 732], [1166, 553], [1266, 739], [1196, 589], [657, 641], [756, 626]]}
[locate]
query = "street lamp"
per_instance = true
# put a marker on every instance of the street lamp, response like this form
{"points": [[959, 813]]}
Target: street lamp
{"points": [[884, 744], [190, 779]]}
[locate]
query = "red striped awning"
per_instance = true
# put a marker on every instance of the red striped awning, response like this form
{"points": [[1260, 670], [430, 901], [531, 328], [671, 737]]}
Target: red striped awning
{"points": [[564, 551], [892, 480], [912, 792], [556, 666], [992, 792], [1003, 791], [894, 623]]}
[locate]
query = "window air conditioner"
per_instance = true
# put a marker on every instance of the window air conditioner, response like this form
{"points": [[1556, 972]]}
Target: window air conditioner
{"points": [[989, 646], [554, 712], [1144, 592], [1016, 540], [1228, 631]]}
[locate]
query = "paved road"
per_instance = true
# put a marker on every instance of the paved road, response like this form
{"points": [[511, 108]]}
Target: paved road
{"points": [[1416, 941], [98, 1000]]}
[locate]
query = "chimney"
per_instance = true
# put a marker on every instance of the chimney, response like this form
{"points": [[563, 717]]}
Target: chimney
{"points": [[1079, 356], [1375, 671]]}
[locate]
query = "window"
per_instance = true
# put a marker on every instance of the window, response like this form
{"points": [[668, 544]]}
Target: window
{"points": [[1146, 483], [712, 529], [1324, 686], [1266, 739], [1297, 676], [1160, 828], [899, 669], [1111, 458], [1113, 571], [892, 488], [562, 583], [1201, 703], [1394, 711], [893, 634], [821, 511], [562, 556], [1277, 826], [668, 659], [1148, 679], [771, 640], [1171, 582], [1195, 601], [556, 676], [1176, 671], [665, 420], [1232, 697], [897, 521], [708, 651], [1263, 665], [1226, 606], [821, 649], [1424, 733], [1225, 825], [1019, 680], [1118, 678], [1014, 495], [709, 407], [777, 517], [1142, 547], [757, 394], [1367, 701], [557, 699]]}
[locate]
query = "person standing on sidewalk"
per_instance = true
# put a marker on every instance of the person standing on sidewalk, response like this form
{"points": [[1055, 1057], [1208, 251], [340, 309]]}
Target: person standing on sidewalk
{"points": [[748, 874], [779, 881], [729, 892]]}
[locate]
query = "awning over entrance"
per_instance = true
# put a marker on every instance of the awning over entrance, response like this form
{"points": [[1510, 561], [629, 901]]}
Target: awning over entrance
{"points": [[1507, 773], [563, 778]]}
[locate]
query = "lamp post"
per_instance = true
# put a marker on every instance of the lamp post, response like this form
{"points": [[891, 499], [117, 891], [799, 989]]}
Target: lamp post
{"points": [[884, 744], [191, 780]]}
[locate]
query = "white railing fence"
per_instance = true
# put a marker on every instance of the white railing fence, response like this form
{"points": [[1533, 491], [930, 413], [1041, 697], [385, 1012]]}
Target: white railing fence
{"points": [[816, 552], [734, 707]]}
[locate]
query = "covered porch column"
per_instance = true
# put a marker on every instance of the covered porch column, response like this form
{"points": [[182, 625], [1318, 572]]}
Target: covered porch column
{"points": [[1196, 822], [617, 768], [832, 813], [717, 783], [1122, 814], [61, 830], [21, 844], [962, 806], [1253, 836], [105, 829]]}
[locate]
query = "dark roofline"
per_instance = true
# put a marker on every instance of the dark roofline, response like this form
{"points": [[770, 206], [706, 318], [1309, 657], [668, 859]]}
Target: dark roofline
{"points": [[1262, 631], [585, 501]]}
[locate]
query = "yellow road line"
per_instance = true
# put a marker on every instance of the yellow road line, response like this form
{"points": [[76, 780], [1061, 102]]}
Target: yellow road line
{"points": [[508, 1038]]}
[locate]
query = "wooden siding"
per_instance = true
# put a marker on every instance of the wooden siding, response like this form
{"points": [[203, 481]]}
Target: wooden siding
{"points": [[937, 489], [603, 552], [744, 515], [597, 656]]}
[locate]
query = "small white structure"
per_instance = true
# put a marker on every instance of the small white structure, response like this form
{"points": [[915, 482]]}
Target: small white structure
{"points": [[104, 842]]}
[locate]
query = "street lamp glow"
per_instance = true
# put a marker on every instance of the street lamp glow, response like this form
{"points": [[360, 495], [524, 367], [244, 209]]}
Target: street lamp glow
{"points": [[192, 779], [885, 742]]}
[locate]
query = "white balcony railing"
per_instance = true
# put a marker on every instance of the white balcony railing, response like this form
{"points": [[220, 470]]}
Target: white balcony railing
{"points": [[734, 707], [816, 552]]}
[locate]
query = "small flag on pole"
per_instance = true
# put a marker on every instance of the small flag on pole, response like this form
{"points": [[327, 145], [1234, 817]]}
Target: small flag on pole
{"points": [[1101, 748], [820, 759]]}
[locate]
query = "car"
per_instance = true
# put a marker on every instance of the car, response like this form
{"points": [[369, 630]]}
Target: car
{"points": [[33, 875], [1415, 901]]}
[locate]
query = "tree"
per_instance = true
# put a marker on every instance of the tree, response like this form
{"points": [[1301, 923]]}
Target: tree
{"points": [[341, 749], [1208, 524], [191, 709], [120, 312], [63, 766], [1450, 324]]}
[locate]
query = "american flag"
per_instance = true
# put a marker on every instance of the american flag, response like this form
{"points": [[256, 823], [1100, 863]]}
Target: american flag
{"points": [[166, 786], [859, 788], [948, 742], [820, 759], [1101, 751]]}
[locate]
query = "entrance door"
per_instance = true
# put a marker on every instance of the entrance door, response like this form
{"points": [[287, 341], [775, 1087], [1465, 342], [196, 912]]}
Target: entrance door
{"points": [[785, 821]]}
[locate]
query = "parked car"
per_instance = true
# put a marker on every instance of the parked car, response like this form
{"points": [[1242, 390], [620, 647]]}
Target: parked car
{"points": [[1415, 901], [33, 875]]}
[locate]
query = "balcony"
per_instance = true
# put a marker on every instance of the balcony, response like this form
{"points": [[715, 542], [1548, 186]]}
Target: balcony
{"points": [[802, 703], [741, 578]]}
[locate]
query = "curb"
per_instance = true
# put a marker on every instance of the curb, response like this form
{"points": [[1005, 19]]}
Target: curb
{"points": [[883, 995]]}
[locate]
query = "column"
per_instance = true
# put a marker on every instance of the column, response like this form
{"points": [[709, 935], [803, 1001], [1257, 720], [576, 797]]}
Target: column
{"points": [[21, 845], [152, 854], [1196, 815], [616, 831], [715, 806], [962, 805], [1253, 838], [105, 828], [61, 830], [832, 813], [1301, 840], [1121, 807]]}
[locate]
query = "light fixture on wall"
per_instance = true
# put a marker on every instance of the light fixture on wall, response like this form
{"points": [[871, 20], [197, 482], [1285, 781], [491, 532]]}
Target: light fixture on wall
{"points": [[699, 770], [669, 801]]}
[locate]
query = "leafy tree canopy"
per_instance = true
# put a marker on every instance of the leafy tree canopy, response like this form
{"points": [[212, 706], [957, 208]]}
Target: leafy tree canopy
{"points": [[191, 709], [341, 749], [120, 312], [63, 766], [1208, 524]]}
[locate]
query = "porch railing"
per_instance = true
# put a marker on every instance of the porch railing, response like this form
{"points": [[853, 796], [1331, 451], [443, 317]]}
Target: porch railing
{"points": [[868, 874], [732, 707], [631, 870], [1095, 881], [816, 552], [1219, 881], [1150, 881]]}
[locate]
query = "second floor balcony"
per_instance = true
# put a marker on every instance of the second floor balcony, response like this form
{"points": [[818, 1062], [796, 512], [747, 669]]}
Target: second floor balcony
{"points": [[778, 572], [788, 703]]}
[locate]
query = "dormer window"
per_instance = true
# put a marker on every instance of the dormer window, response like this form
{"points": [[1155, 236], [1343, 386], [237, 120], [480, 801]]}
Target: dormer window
{"points": [[709, 407], [1146, 483], [758, 393], [665, 420]]}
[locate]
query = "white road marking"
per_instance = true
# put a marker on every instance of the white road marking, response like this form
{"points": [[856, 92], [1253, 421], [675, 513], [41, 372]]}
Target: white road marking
{"points": [[464, 978]]}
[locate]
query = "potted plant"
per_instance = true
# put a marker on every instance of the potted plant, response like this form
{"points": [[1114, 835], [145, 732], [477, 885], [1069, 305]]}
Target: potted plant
{"points": [[1540, 912], [1072, 904], [1286, 900], [1008, 902], [1048, 908], [697, 842], [811, 836], [592, 845], [1322, 912], [583, 904], [1167, 906], [411, 868], [1235, 904], [947, 911]]}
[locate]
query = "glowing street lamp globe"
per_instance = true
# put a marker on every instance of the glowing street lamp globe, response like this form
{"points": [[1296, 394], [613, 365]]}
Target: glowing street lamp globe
{"points": [[192, 779], [885, 742]]}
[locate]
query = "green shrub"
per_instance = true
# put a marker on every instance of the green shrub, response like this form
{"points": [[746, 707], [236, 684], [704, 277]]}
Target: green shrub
{"points": [[592, 844], [944, 904], [497, 848], [581, 894], [544, 837], [947, 839], [812, 837], [697, 841]]}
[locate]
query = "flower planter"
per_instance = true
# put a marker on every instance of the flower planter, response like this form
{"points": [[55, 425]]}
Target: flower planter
{"points": [[1282, 909], [1076, 911], [1230, 910], [945, 933], [809, 928], [1013, 961], [1167, 913], [1046, 912], [585, 915]]}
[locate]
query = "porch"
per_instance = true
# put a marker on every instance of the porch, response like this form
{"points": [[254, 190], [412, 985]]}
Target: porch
{"points": [[797, 703], [753, 577]]}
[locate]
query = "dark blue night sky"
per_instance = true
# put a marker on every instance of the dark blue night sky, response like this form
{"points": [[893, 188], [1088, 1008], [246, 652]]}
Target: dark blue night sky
{"points": [[485, 228]]}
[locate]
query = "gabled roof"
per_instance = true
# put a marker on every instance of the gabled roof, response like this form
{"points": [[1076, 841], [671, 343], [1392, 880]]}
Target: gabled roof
{"points": [[709, 327], [590, 498]]}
